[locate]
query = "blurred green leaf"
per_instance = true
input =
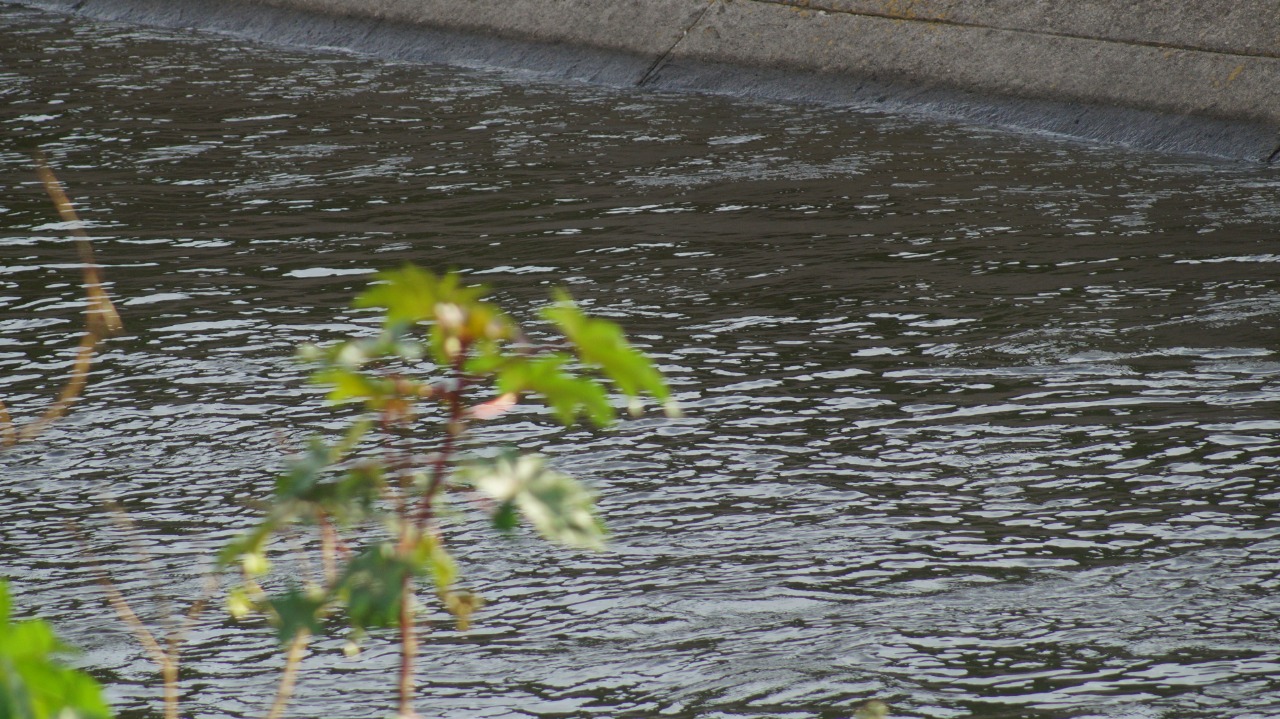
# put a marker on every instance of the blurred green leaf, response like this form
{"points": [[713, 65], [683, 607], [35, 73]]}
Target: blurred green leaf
{"points": [[307, 488], [33, 683], [239, 603], [557, 505], [249, 543], [353, 497], [411, 294], [408, 295], [302, 472], [458, 314], [874, 709], [296, 610], [371, 586], [348, 385], [504, 517], [431, 555]]}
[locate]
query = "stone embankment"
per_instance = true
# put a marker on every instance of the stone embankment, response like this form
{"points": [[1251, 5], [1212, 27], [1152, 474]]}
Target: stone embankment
{"points": [[1169, 75]]}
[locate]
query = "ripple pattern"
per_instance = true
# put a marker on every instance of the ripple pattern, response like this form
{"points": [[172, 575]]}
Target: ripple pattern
{"points": [[979, 424]]}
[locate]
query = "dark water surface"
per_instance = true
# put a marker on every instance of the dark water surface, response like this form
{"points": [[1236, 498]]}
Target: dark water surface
{"points": [[980, 424]]}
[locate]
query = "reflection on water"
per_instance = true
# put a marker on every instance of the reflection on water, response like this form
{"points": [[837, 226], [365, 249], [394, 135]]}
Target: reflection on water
{"points": [[980, 424]]}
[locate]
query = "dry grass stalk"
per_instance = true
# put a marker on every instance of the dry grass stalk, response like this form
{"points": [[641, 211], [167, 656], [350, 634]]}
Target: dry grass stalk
{"points": [[101, 321]]}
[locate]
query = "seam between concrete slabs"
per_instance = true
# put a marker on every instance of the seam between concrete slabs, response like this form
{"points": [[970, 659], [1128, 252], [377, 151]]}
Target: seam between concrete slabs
{"points": [[661, 59]]}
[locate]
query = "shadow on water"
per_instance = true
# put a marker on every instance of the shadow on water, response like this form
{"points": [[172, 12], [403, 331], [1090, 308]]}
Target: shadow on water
{"points": [[981, 424]]}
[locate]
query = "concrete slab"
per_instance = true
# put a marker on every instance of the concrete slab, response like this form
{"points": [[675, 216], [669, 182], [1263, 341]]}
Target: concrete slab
{"points": [[1161, 74], [557, 43], [987, 60], [639, 27], [1244, 27]]}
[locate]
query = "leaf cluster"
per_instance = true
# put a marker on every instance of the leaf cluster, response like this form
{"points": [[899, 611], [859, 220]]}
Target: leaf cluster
{"points": [[443, 352]]}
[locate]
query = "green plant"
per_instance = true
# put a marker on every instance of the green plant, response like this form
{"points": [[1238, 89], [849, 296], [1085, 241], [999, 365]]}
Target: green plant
{"points": [[34, 684], [441, 342], [372, 478]]}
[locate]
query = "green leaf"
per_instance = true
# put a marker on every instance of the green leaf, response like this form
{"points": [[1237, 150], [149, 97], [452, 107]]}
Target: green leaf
{"points": [[601, 344], [302, 473], [567, 395], [295, 611], [431, 555], [559, 507], [354, 497], [304, 492], [347, 385], [458, 314], [504, 517], [249, 543], [371, 587], [33, 683], [408, 295]]}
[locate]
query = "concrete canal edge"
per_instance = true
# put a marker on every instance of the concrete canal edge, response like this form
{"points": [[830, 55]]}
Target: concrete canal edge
{"points": [[1168, 75]]}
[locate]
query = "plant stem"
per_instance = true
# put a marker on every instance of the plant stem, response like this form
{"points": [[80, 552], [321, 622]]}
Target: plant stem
{"points": [[289, 675], [8, 434], [453, 430], [160, 655], [101, 319], [408, 649], [328, 550], [410, 532]]}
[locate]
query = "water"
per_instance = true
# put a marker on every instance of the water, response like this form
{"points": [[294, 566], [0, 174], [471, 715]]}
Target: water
{"points": [[979, 424]]}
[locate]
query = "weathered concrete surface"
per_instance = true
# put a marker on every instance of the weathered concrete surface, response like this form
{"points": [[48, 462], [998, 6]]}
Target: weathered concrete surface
{"points": [[641, 27], [428, 30], [1245, 27], [1164, 74], [988, 60]]}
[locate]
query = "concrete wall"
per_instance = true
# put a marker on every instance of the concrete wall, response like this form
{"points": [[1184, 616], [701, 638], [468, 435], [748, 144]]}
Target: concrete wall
{"points": [[1174, 75]]}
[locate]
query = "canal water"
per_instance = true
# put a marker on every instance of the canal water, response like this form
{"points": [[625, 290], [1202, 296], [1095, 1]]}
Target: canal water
{"points": [[977, 423]]}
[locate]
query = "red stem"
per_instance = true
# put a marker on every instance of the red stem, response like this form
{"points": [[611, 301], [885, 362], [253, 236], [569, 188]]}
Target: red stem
{"points": [[457, 415], [440, 467]]}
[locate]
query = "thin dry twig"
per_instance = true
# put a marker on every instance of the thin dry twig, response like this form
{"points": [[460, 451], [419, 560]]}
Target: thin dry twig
{"points": [[157, 653], [166, 656], [289, 676], [101, 320], [8, 433], [69, 393], [124, 522]]}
